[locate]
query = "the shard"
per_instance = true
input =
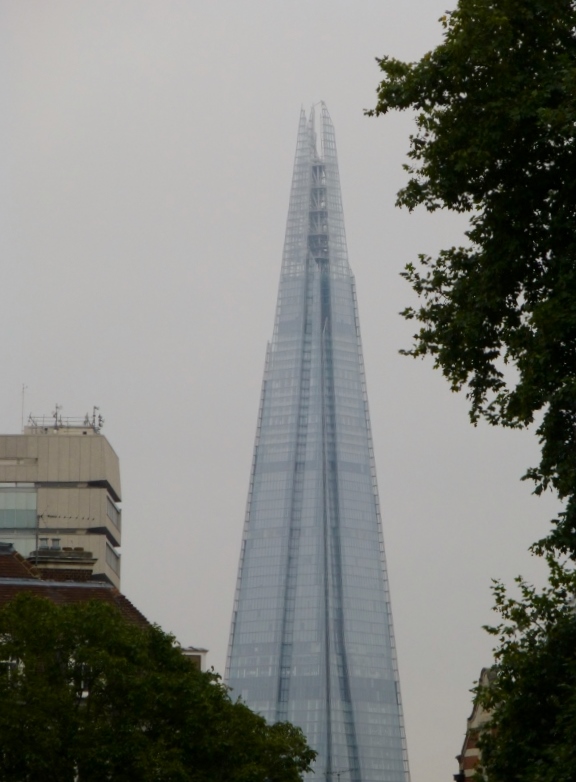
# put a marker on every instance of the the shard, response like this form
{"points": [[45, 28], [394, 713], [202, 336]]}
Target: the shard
{"points": [[311, 639]]}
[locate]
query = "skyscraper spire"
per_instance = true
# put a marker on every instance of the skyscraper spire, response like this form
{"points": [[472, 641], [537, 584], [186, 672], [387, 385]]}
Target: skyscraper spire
{"points": [[311, 639]]}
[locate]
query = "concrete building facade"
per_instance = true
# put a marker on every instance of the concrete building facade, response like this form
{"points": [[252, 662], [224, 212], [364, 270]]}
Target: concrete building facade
{"points": [[59, 499]]}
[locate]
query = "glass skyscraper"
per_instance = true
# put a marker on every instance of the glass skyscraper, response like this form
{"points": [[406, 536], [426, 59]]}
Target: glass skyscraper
{"points": [[311, 639]]}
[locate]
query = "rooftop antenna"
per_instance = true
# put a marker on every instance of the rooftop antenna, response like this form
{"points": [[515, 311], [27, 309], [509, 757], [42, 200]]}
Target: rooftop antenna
{"points": [[56, 415], [97, 420], [24, 387]]}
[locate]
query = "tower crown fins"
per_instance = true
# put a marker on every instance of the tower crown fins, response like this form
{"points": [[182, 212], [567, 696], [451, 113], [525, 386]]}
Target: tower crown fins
{"points": [[315, 216]]}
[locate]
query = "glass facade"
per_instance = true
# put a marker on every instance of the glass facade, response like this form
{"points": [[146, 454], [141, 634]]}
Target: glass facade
{"points": [[311, 638]]}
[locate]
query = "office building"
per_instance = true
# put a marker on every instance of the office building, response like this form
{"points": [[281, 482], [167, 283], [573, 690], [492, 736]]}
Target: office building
{"points": [[59, 499], [311, 638]]}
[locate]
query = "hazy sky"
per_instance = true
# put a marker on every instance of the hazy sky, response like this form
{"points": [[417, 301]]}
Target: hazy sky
{"points": [[146, 149]]}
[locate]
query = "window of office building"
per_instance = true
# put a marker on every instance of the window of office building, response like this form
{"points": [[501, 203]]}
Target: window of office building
{"points": [[112, 559], [113, 513], [17, 505]]}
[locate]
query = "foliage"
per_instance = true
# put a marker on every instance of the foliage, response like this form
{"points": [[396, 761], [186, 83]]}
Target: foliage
{"points": [[82, 692], [495, 116], [533, 695]]}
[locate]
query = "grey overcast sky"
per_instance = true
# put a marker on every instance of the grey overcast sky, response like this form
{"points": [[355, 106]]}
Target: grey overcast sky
{"points": [[146, 149]]}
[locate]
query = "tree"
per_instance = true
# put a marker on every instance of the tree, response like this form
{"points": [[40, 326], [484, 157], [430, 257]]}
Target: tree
{"points": [[530, 736], [496, 139], [85, 695]]}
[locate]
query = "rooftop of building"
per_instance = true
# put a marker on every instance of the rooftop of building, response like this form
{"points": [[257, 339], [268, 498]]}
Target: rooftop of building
{"points": [[13, 565], [90, 424], [17, 576]]}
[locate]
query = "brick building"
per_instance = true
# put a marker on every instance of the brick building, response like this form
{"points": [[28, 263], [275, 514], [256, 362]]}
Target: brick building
{"points": [[470, 757]]}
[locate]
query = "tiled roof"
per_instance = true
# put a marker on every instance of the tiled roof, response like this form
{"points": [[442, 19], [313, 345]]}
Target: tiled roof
{"points": [[12, 565], [17, 576], [66, 592]]}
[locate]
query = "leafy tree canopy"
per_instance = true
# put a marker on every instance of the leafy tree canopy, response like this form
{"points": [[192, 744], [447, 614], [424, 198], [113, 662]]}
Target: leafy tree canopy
{"points": [[496, 139], [86, 696], [533, 696]]}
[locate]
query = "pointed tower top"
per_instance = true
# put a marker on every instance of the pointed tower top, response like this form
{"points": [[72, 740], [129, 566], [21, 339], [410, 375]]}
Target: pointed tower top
{"points": [[315, 216]]}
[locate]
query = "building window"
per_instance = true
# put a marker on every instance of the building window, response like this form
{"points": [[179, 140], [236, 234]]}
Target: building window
{"points": [[17, 506], [112, 559], [113, 513]]}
